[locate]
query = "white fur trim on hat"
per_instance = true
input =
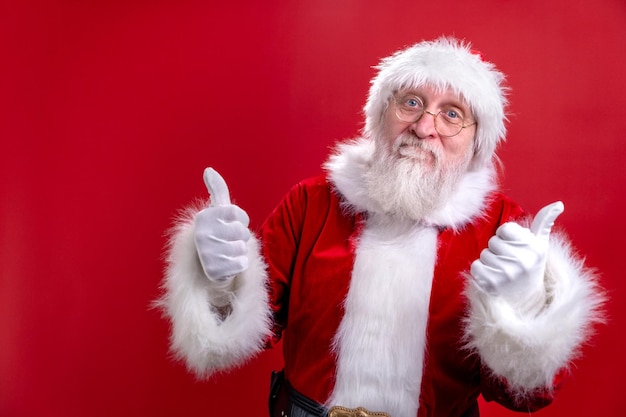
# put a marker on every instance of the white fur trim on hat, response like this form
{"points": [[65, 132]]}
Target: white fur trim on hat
{"points": [[442, 63]]}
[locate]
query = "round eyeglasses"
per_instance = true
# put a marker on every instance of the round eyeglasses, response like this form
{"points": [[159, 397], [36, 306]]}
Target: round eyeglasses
{"points": [[448, 122]]}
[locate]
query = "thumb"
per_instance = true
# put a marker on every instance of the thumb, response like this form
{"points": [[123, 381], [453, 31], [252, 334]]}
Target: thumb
{"points": [[217, 187], [544, 220]]}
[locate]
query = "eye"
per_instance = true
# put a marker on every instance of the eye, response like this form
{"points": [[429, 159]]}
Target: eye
{"points": [[412, 103], [452, 115]]}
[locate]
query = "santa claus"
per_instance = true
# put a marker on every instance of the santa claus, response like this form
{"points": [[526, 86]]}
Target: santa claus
{"points": [[401, 280]]}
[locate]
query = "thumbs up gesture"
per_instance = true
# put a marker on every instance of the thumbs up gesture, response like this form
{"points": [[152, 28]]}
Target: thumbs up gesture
{"points": [[513, 265], [221, 232]]}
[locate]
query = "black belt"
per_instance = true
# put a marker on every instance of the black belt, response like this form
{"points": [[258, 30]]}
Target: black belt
{"points": [[285, 401]]}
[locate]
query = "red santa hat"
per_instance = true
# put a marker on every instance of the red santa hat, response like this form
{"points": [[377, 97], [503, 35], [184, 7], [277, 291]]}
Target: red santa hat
{"points": [[442, 63]]}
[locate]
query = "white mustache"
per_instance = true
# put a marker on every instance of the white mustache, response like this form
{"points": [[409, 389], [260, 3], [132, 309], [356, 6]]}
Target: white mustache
{"points": [[407, 139]]}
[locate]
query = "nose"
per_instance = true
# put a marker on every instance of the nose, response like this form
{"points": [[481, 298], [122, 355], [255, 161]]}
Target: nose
{"points": [[424, 127]]}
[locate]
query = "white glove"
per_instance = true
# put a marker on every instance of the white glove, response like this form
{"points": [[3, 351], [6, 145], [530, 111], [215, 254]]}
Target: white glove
{"points": [[513, 266], [221, 232]]}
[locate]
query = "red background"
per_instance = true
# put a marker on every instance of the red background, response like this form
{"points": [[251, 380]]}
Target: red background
{"points": [[111, 110]]}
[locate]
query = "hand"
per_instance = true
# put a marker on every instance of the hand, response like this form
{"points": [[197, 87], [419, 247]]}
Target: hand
{"points": [[221, 232], [513, 266]]}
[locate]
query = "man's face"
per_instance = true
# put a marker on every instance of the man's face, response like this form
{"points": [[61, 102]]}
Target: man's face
{"points": [[415, 169], [420, 141]]}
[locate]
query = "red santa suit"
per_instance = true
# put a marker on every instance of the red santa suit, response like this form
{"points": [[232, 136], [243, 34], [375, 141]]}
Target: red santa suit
{"points": [[377, 311], [380, 313]]}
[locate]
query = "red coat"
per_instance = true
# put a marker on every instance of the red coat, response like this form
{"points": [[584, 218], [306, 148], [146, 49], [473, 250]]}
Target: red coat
{"points": [[309, 245], [377, 311]]}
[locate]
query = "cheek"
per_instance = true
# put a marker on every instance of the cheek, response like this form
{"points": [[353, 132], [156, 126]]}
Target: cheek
{"points": [[459, 151], [392, 127]]}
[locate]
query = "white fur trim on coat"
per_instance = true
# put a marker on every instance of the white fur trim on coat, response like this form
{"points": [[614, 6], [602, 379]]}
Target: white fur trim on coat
{"points": [[381, 341], [201, 336], [529, 350]]}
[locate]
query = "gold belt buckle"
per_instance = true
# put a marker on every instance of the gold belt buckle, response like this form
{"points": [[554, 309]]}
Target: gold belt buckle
{"points": [[354, 412]]}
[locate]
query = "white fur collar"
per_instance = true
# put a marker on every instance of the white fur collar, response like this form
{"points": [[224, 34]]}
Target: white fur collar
{"points": [[351, 159]]}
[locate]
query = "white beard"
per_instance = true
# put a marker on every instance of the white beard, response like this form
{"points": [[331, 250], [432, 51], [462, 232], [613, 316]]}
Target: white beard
{"points": [[407, 186]]}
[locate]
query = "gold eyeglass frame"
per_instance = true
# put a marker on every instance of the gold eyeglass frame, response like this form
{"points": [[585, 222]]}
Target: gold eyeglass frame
{"points": [[435, 116]]}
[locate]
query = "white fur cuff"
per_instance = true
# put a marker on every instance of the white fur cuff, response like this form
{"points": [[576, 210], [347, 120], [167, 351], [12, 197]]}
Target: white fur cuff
{"points": [[200, 336], [529, 350]]}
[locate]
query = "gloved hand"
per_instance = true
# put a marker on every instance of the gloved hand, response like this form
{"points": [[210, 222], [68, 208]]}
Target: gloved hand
{"points": [[221, 232], [513, 266]]}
